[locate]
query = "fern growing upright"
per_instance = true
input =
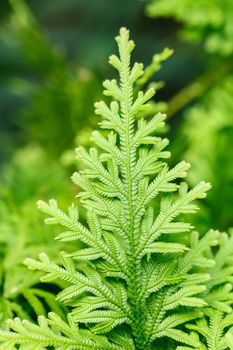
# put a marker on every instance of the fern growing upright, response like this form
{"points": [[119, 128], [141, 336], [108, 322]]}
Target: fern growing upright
{"points": [[138, 277]]}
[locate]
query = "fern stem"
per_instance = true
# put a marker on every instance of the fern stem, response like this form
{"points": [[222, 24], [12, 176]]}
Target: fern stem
{"points": [[134, 265], [157, 315]]}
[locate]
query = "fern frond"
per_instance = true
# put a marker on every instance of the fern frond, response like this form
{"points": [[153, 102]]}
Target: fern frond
{"points": [[134, 277], [21, 234], [54, 332], [212, 329]]}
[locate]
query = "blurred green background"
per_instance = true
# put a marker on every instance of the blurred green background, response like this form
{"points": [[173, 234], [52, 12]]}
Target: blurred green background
{"points": [[53, 58], [80, 33]]}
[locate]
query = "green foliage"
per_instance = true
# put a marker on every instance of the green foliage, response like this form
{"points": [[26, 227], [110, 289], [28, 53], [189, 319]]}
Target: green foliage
{"points": [[153, 106], [26, 177], [58, 95], [140, 276], [203, 19], [205, 148], [214, 330]]}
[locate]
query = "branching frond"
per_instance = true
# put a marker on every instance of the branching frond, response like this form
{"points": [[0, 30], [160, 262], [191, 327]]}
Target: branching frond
{"points": [[140, 275], [53, 332]]}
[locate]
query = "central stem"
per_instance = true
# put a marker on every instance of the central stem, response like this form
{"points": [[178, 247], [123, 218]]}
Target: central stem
{"points": [[134, 264]]}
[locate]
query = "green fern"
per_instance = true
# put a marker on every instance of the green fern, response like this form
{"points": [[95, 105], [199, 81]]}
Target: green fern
{"points": [[21, 234], [139, 277], [213, 329], [210, 22], [205, 149]]}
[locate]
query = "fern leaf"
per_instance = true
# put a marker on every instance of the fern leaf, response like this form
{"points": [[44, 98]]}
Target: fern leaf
{"points": [[134, 275]]}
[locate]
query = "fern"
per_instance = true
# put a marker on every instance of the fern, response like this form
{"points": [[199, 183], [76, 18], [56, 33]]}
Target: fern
{"points": [[210, 23], [205, 149], [214, 329], [21, 234], [139, 276]]}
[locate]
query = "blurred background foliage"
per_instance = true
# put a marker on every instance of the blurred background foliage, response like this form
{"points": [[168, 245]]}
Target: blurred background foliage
{"points": [[23, 180], [205, 107], [208, 21], [53, 58]]}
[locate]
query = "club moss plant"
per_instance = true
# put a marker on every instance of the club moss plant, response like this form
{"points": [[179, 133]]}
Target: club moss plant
{"points": [[143, 278]]}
